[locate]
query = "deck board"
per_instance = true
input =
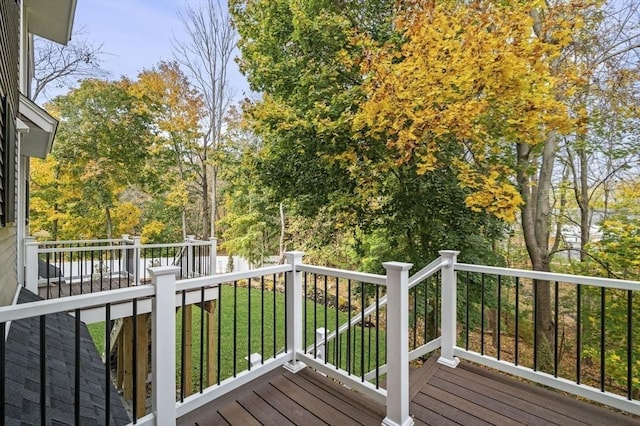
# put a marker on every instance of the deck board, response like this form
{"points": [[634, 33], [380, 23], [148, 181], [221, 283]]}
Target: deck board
{"points": [[467, 395]]}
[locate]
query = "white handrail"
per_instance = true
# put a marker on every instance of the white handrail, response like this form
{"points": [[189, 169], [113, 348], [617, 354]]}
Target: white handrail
{"points": [[550, 276], [343, 273]]}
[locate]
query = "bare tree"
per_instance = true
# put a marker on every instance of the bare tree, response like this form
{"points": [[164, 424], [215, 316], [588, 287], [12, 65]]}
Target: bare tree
{"points": [[62, 66], [206, 54]]}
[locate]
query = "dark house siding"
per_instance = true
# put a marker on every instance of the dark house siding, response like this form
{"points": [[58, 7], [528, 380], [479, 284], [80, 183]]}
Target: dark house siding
{"points": [[9, 66]]}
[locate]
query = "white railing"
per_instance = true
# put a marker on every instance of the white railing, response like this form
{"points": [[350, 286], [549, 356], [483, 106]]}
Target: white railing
{"points": [[164, 294], [75, 267], [162, 297], [451, 334]]}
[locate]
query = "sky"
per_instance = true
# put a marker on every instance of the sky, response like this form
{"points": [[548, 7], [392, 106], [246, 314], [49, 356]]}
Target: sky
{"points": [[137, 34]]}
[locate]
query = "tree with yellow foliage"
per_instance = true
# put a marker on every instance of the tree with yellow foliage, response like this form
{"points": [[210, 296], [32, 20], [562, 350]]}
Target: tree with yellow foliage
{"points": [[491, 78]]}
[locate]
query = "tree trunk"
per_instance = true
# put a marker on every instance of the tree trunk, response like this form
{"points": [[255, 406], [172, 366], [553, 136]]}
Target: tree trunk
{"points": [[583, 203], [282, 231], [205, 204], [536, 228], [107, 214]]}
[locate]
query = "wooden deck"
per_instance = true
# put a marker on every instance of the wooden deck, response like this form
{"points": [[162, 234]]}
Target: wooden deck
{"points": [[54, 291], [466, 395]]}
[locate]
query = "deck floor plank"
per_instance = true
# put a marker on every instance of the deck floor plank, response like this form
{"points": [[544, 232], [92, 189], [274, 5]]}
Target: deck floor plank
{"points": [[262, 411], [467, 395], [567, 407], [235, 414], [451, 412], [287, 406], [504, 404]]}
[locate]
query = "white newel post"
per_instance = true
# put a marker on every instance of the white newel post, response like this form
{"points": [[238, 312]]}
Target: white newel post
{"points": [[163, 337], [397, 344], [448, 316], [31, 264], [136, 260], [294, 311], [213, 256], [188, 267]]}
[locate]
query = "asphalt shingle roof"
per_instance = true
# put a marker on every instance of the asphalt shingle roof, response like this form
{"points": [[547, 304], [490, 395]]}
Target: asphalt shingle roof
{"points": [[23, 374]]}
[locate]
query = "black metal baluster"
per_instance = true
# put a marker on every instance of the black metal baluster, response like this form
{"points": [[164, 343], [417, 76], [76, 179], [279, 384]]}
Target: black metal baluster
{"points": [[48, 257], [482, 286], [262, 352], [326, 328], [517, 320], [426, 314], [555, 326], [134, 356], [436, 321], [578, 331], [315, 316], [338, 338], [349, 327], [92, 271], [602, 337], [377, 337], [629, 344], [219, 337], [60, 274], [76, 373], [107, 365], [202, 315], [119, 268], [274, 328], [249, 323], [183, 344], [362, 306], [415, 317], [235, 327], [286, 313], [43, 370], [499, 312], [304, 311]]}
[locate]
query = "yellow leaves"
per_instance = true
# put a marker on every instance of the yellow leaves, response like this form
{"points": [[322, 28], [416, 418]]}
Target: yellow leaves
{"points": [[126, 217], [152, 230], [469, 73], [492, 192], [178, 196]]}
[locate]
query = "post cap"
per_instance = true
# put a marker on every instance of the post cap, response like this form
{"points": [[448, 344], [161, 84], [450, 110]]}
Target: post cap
{"points": [[295, 256], [160, 271], [397, 266]]}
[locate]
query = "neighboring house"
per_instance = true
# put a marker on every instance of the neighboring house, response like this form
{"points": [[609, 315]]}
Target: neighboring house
{"points": [[26, 130]]}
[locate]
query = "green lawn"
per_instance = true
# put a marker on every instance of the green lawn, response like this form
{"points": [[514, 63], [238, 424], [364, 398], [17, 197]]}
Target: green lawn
{"points": [[264, 333]]}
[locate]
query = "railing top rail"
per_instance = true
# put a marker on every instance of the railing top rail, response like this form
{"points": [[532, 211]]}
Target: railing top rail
{"points": [[213, 280], [103, 241], [120, 247], [427, 271], [169, 245], [551, 276], [71, 303], [342, 273], [82, 248]]}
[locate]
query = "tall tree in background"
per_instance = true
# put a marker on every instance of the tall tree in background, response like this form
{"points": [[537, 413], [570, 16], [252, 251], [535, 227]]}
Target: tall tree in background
{"points": [[351, 197], [472, 74], [604, 148], [206, 55], [174, 109], [103, 142], [61, 66]]}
